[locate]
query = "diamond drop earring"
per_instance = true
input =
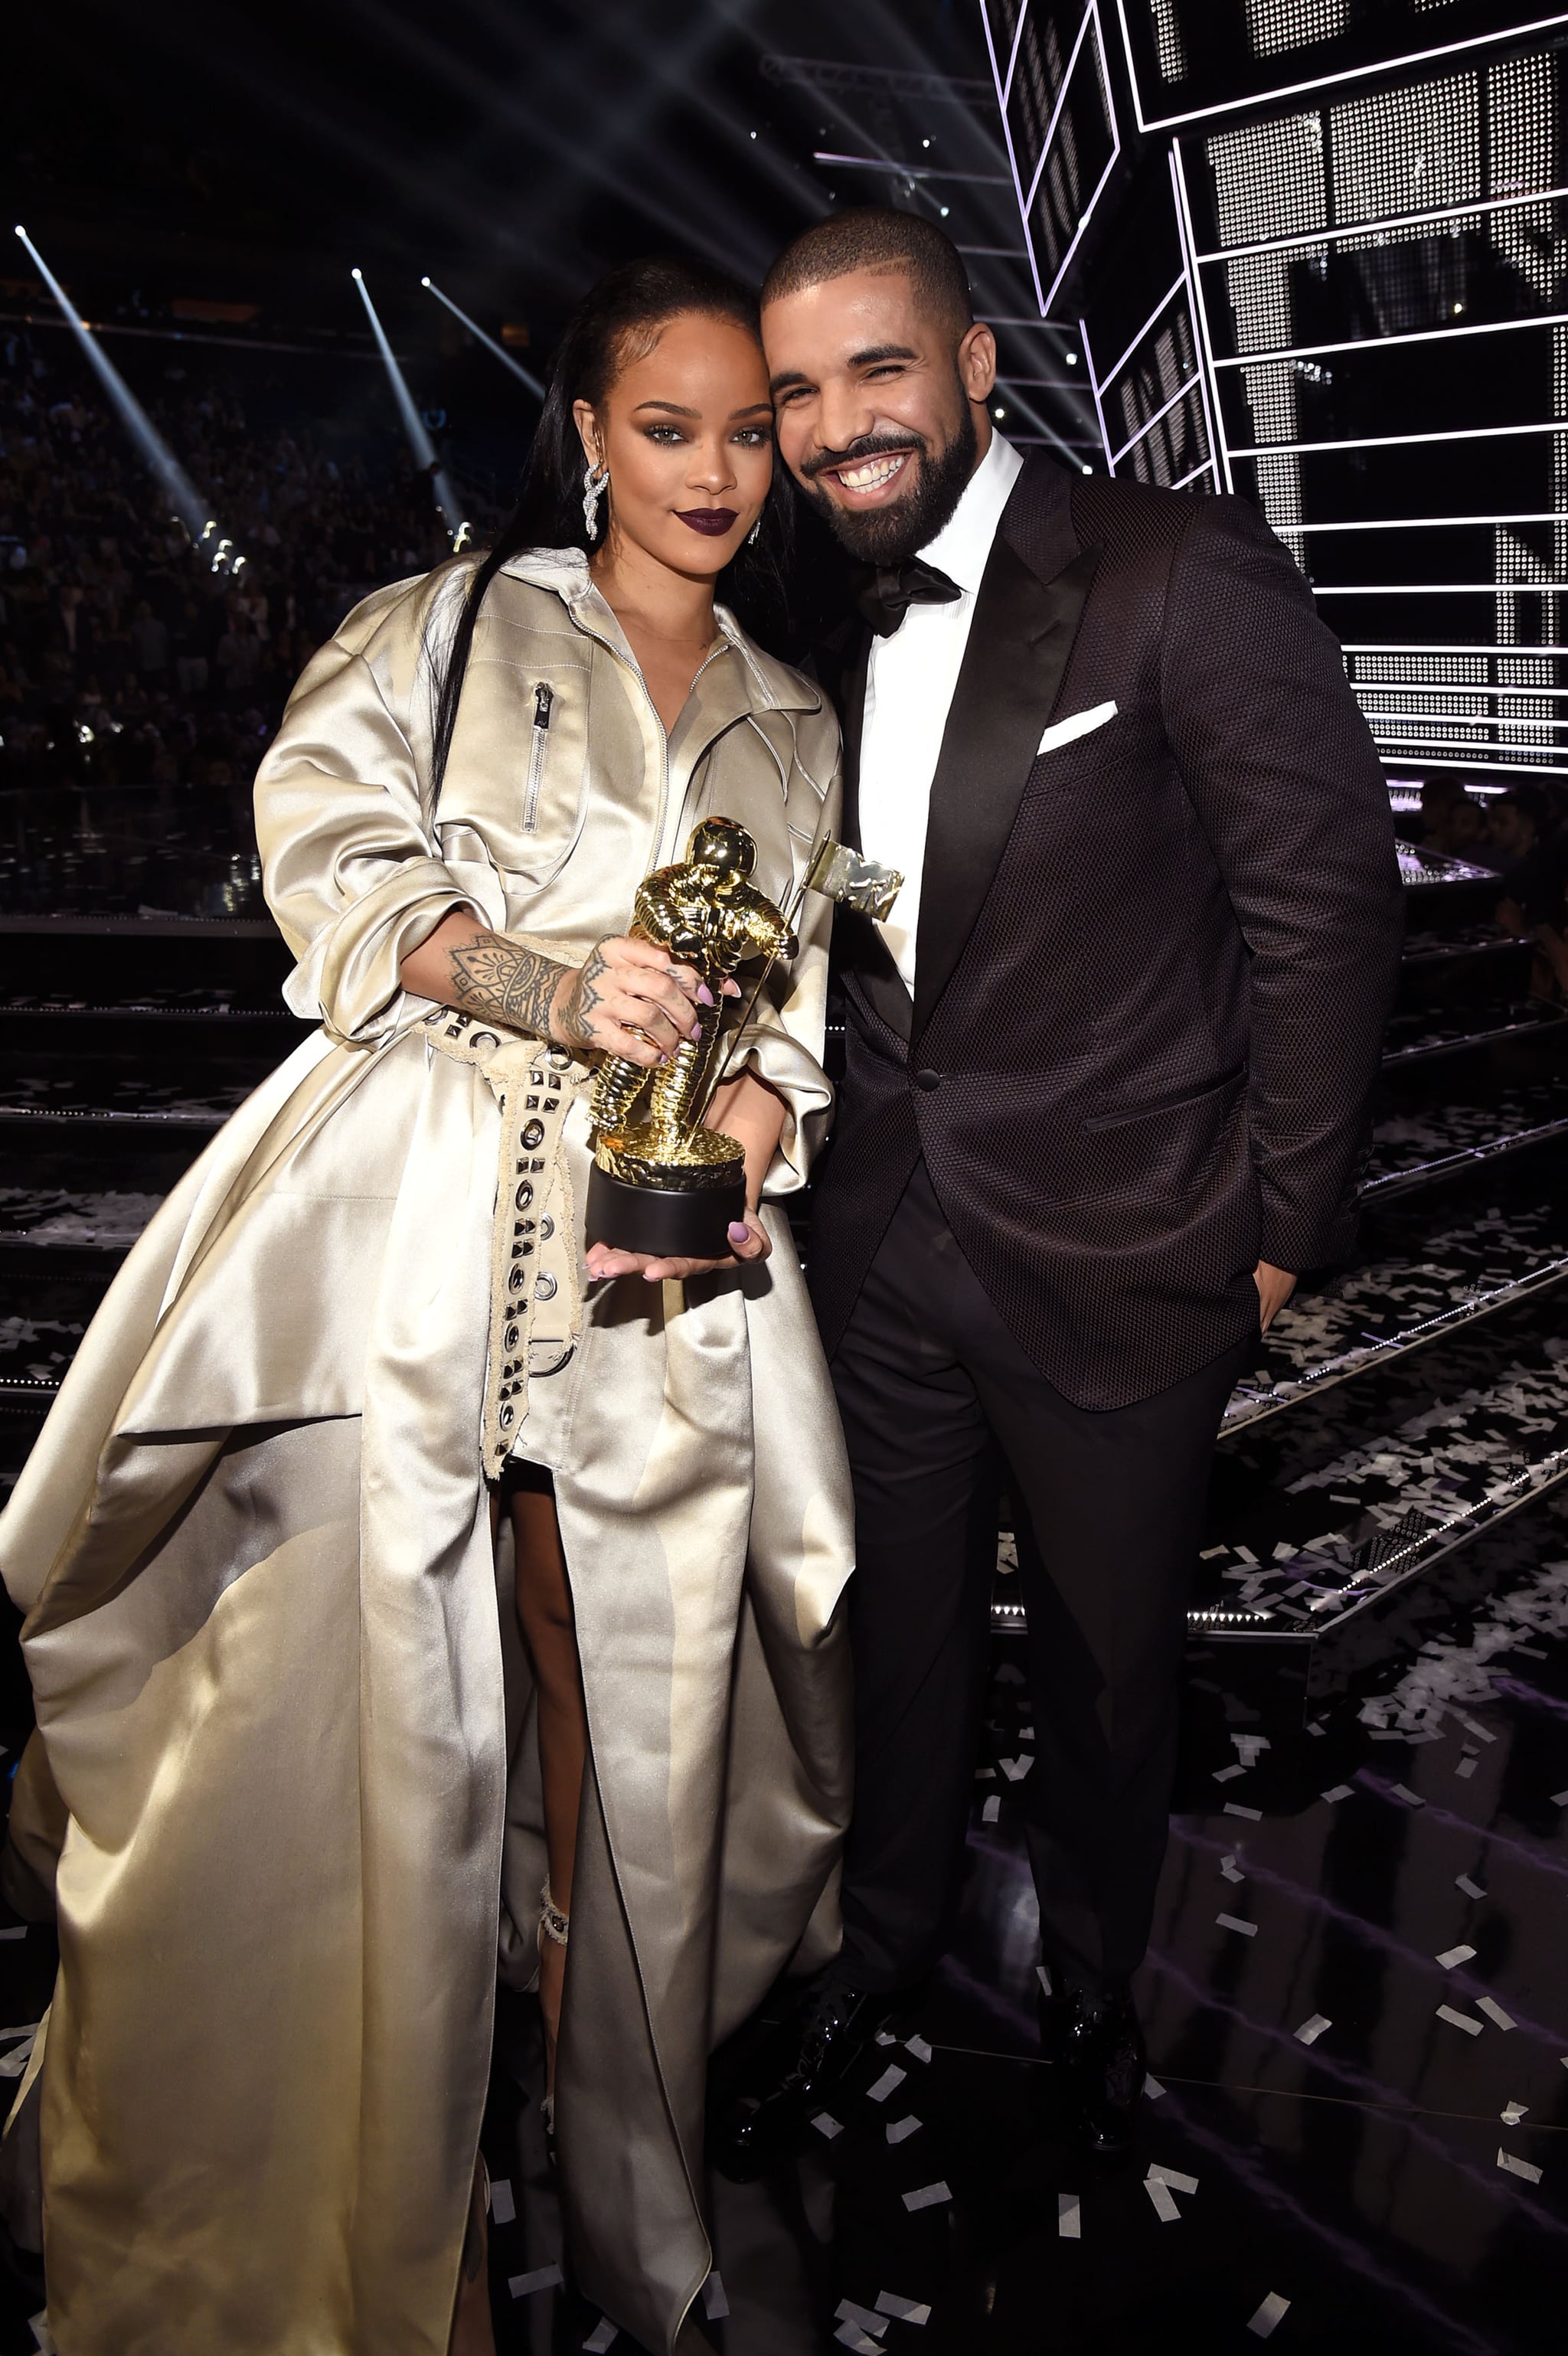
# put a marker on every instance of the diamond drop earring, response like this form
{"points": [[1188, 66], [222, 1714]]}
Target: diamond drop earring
{"points": [[594, 481], [756, 533]]}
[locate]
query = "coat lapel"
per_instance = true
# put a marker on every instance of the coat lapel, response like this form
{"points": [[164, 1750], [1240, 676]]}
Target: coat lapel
{"points": [[1030, 600]]}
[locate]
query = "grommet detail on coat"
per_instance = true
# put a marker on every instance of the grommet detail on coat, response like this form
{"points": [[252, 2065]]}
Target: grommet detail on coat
{"points": [[545, 1289], [533, 1134]]}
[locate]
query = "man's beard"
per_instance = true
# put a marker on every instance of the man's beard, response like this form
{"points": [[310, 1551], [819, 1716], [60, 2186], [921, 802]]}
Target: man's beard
{"points": [[888, 535]]}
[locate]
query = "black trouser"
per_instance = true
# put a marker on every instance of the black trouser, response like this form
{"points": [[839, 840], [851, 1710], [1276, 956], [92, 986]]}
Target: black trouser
{"points": [[936, 1398]]}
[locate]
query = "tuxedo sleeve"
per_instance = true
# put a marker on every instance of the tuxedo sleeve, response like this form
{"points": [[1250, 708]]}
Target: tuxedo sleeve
{"points": [[1282, 772]]}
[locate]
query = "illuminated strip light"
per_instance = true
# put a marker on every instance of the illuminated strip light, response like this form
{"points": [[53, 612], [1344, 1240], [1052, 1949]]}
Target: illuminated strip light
{"points": [[1377, 227], [523, 375], [1117, 369], [1456, 687], [908, 171], [1214, 417], [1456, 719], [1045, 296], [1471, 646], [1498, 768], [1383, 343], [1320, 81], [1427, 523], [1094, 389], [1209, 466], [1053, 327], [1180, 394], [1401, 441], [1443, 589]]}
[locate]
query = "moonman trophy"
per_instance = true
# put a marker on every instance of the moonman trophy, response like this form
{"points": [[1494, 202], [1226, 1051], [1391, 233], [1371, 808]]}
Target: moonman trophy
{"points": [[662, 1181]]}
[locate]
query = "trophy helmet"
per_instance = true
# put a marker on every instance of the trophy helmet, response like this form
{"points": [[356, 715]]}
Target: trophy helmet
{"points": [[724, 845]]}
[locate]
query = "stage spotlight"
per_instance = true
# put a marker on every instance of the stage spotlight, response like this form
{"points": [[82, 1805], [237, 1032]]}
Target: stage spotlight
{"points": [[185, 500], [522, 374], [420, 442]]}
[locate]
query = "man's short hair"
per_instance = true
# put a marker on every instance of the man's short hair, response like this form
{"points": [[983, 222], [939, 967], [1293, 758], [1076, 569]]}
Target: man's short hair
{"points": [[878, 238]]}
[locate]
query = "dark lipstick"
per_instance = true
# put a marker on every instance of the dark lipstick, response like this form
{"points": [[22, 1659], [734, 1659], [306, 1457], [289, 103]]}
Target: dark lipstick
{"points": [[714, 521]]}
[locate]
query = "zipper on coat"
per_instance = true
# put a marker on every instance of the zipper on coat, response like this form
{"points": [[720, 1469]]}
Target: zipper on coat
{"points": [[544, 701]]}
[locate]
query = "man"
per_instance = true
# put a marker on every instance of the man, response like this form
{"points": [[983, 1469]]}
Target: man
{"points": [[1108, 1065]]}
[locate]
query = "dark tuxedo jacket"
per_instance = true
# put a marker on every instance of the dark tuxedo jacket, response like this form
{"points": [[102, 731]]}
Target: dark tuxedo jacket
{"points": [[1153, 962]]}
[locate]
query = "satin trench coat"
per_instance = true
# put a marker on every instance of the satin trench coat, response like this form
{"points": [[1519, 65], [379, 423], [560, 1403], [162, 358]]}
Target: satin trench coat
{"points": [[286, 1727]]}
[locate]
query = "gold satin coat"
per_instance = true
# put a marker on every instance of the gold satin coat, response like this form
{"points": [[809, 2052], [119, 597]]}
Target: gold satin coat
{"points": [[288, 1729]]}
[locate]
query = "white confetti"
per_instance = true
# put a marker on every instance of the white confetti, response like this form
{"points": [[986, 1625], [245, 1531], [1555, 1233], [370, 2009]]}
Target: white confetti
{"points": [[1164, 2208], [715, 2304], [1269, 2314], [918, 2047], [12, 2064], [502, 2208], [1511, 2114], [1043, 1976], [1228, 1774], [1015, 1770], [991, 1811], [826, 2124], [1068, 2217], [902, 2310], [1402, 1792], [1340, 1791], [1152, 2088], [1452, 1957], [15, 1930], [1173, 2176], [885, 2037], [1467, 1766], [604, 2335], [847, 2312], [1228, 1870], [1459, 2020], [38, 2325], [1312, 2030], [891, 2076], [929, 2196], [1494, 2011], [1559, 1799], [1253, 1815], [900, 2130], [1471, 1889], [1234, 1922], [1524, 2167], [540, 2278], [851, 2336]]}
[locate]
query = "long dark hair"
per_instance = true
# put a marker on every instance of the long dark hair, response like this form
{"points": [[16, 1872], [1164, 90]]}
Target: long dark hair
{"points": [[624, 311]]}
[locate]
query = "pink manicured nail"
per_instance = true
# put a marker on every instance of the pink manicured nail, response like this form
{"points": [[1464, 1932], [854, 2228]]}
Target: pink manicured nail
{"points": [[738, 1234], [704, 995]]}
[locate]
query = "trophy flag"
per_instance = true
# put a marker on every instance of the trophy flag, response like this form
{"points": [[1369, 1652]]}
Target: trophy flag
{"points": [[838, 873]]}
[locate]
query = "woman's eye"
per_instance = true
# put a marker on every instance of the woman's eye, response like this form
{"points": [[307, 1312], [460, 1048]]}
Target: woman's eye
{"points": [[754, 437], [665, 434]]}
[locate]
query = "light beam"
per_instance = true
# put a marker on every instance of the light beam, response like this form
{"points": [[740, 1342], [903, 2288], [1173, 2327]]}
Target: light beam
{"points": [[524, 375], [420, 442], [184, 498]]}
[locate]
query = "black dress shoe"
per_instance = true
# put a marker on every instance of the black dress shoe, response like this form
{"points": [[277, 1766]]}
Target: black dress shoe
{"points": [[769, 2123], [1103, 2061]]}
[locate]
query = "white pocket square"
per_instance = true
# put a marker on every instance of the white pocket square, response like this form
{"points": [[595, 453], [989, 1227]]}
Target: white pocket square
{"points": [[1062, 732]]}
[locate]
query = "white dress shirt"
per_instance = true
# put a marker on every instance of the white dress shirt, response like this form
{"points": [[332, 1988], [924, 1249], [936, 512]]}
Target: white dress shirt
{"points": [[908, 690]]}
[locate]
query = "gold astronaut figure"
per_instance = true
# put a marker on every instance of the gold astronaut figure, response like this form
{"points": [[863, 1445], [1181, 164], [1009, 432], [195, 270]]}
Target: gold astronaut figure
{"points": [[707, 916]]}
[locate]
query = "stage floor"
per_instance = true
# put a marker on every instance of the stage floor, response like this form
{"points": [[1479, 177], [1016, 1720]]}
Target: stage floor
{"points": [[1358, 2016]]}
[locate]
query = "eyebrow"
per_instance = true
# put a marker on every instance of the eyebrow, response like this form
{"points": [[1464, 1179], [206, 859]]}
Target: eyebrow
{"points": [[788, 379], [674, 409]]}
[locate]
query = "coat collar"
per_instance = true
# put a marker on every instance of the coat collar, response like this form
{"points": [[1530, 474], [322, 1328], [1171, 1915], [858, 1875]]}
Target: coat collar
{"points": [[743, 680]]}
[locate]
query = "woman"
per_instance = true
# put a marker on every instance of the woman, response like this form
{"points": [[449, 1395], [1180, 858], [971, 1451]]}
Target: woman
{"points": [[257, 1540]]}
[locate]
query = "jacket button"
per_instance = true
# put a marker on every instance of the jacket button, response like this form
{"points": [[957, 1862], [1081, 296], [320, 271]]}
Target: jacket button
{"points": [[928, 1079]]}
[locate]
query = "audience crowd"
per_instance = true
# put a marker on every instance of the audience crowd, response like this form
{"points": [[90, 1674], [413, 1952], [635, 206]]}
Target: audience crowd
{"points": [[1522, 835], [126, 659]]}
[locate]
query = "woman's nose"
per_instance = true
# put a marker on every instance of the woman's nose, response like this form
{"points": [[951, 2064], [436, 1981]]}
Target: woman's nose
{"points": [[712, 467]]}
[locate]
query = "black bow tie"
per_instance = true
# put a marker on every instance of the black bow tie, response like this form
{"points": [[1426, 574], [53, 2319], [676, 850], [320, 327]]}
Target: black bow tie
{"points": [[884, 592]]}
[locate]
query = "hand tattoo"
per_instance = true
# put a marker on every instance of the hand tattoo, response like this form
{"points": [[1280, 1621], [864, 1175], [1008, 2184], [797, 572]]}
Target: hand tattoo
{"points": [[581, 1003], [509, 984]]}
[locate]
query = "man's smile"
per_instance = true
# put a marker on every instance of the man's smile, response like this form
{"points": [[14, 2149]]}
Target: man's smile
{"points": [[866, 480]]}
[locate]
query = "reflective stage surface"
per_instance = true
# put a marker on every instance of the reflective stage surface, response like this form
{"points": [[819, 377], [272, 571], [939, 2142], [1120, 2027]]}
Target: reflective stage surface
{"points": [[1357, 2023]]}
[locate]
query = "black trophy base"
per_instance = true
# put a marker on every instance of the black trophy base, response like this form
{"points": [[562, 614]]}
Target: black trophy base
{"points": [[691, 1224]]}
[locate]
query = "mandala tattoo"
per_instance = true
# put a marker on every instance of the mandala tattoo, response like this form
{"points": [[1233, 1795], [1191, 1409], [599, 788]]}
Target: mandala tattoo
{"points": [[582, 1002], [514, 985]]}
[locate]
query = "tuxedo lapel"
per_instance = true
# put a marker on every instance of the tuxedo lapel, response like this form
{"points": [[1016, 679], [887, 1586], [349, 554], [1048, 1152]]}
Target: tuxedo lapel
{"points": [[1026, 616]]}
